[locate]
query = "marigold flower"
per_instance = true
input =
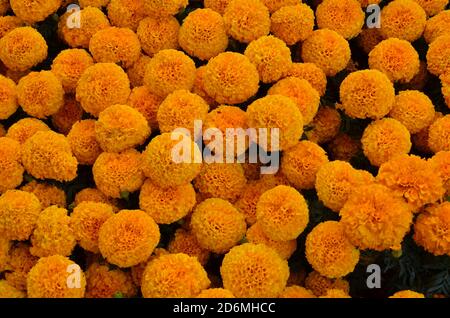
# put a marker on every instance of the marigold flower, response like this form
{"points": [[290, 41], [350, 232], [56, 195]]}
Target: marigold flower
{"points": [[137, 71], [8, 291], [93, 3], [126, 13], [296, 292], [420, 140], [2, 131], [69, 65], [83, 142], [403, 19], [86, 220], [5, 246], [325, 125], [102, 85], [186, 242], [335, 293], [438, 55], [67, 115], [167, 205], [310, 72], [128, 238], [293, 23], [343, 16], [158, 8], [20, 263], [407, 294], [217, 5], [34, 11], [274, 5], [432, 7], [254, 271], [8, 97], [439, 135], [215, 293], [25, 128], [91, 20], [344, 147], [437, 26], [368, 39], [199, 86], [146, 103], [156, 34], [319, 284], [441, 163], [445, 80], [94, 195], [49, 277], [230, 78], [47, 194], [328, 50], [103, 282], [158, 279], [4, 6], [11, 169], [138, 271], [116, 173]]}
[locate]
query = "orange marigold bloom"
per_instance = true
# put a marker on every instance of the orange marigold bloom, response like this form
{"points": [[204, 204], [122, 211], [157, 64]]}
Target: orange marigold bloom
{"points": [[116, 173], [203, 34], [254, 271], [34, 11], [329, 251], [11, 169], [128, 238], [49, 277], [8, 97], [9, 291], [217, 225], [20, 263], [174, 276], [369, 38], [186, 242], [300, 164], [296, 292], [69, 65], [274, 5], [367, 94], [396, 58], [312, 73], [319, 284], [445, 80], [167, 205], [164, 8], [93, 3], [137, 71], [159, 164], [407, 294], [146, 103], [86, 220], [328, 50], [439, 135], [374, 218], [67, 115], [137, 271], [168, 71], [293, 23], [102, 85], [403, 19], [420, 140], [438, 55], [91, 20], [344, 147], [282, 213], [103, 282], [199, 86], [158, 34], [47, 194], [441, 162], [4, 6], [217, 5], [432, 7], [83, 142], [325, 125], [437, 26], [215, 293], [343, 16], [126, 13], [5, 246], [335, 293], [230, 78], [94, 195]]}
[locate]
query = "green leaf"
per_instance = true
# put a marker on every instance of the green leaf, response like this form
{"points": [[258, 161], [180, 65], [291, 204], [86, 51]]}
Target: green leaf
{"points": [[125, 195], [118, 295]]}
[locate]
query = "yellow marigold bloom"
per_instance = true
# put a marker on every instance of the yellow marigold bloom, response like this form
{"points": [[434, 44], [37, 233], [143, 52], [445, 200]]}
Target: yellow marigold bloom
{"points": [[319, 284], [274, 5], [215, 293], [368, 39], [94, 195], [367, 94], [69, 65], [47, 155], [102, 85], [9, 23], [8, 97], [91, 20], [217, 5], [199, 86], [217, 225], [103, 282], [302, 93], [329, 251], [67, 115], [296, 292], [407, 294], [221, 180], [343, 16], [203, 34], [247, 20], [384, 139], [282, 213], [20, 263], [137, 71], [146, 103], [438, 55], [5, 246], [174, 276], [83, 142], [53, 234], [47, 194], [256, 235], [40, 94], [159, 165], [445, 80], [186, 242], [439, 135], [403, 19], [19, 211], [49, 277], [11, 169], [8, 291], [437, 26], [271, 57], [164, 8], [432, 7], [116, 173], [138, 271], [335, 293], [121, 127], [441, 162], [158, 34], [128, 238], [93, 3], [22, 48], [26, 128], [310, 72], [419, 81], [86, 220], [414, 110], [431, 230], [300, 164], [34, 11], [293, 23], [167, 205], [168, 71], [276, 111], [126, 13], [254, 271], [396, 58], [180, 109], [230, 78], [115, 45], [325, 125]]}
